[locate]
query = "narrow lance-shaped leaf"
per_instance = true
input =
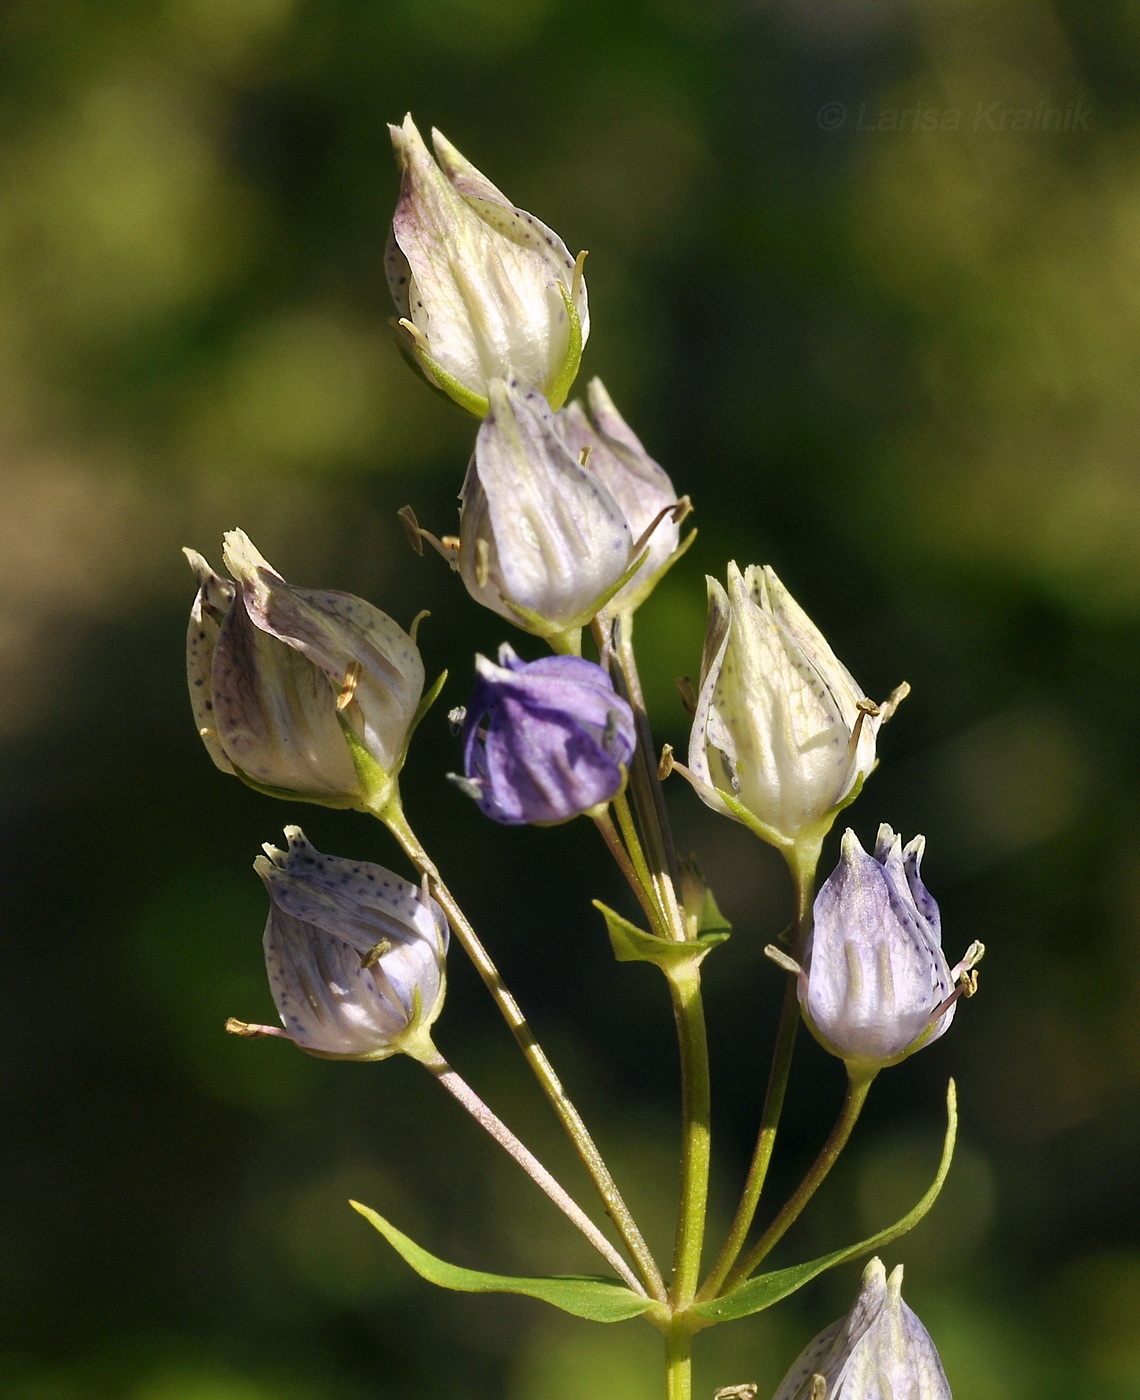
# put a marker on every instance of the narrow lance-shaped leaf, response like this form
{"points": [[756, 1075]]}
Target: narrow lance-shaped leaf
{"points": [[596, 1299], [764, 1290]]}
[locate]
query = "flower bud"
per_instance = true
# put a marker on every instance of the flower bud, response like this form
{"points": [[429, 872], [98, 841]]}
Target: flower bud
{"points": [[782, 737], [305, 692], [880, 1349], [641, 488], [355, 954], [544, 741], [875, 985], [542, 542], [483, 288]]}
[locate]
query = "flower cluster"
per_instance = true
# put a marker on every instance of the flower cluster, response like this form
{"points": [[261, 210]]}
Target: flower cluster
{"points": [[566, 523]]}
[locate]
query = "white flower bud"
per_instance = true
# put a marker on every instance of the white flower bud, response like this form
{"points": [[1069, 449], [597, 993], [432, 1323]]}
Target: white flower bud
{"points": [[879, 1351], [310, 693], [355, 954], [875, 985], [483, 288], [541, 541], [641, 488], [782, 736]]}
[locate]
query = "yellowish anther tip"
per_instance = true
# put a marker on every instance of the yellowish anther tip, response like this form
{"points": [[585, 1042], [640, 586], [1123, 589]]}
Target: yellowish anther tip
{"points": [[348, 689]]}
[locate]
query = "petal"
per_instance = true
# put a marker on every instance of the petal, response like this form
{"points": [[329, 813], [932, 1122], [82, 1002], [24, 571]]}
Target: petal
{"points": [[360, 903], [487, 302], [514, 223], [327, 1001], [214, 598], [560, 539], [640, 487], [341, 635], [276, 715]]}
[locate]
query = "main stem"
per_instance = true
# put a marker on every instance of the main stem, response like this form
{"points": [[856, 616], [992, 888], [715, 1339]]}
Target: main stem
{"points": [[616, 1208], [688, 1010], [678, 1364], [685, 987], [458, 1087], [856, 1096], [802, 867]]}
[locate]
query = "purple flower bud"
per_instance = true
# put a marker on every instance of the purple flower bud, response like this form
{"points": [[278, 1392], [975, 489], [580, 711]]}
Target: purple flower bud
{"points": [[544, 741], [355, 954], [876, 985]]}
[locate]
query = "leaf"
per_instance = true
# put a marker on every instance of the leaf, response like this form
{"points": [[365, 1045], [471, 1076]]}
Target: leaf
{"points": [[764, 1290], [597, 1299], [632, 944]]}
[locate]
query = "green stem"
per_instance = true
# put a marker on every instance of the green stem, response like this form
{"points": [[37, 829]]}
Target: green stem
{"points": [[853, 1101], [802, 865], [459, 1089], [645, 786], [678, 1364], [392, 815], [612, 838], [648, 886], [685, 987]]}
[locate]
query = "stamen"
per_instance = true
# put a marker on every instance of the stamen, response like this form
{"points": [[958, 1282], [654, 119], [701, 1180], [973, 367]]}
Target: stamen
{"points": [[482, 563], [417, 335], [413, 630], [244, 1028], [781, 959], [584, 456], [894, 700], [471, 787], [447, 548], [456, 718], [375, 953], [818, 1387], [348, 689], [576, 280], [665, 765]]}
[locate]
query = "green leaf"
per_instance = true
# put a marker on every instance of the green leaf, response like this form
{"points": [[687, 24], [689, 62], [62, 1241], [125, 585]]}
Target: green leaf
{"points": [[632, 944], [764, 1290], [699, 903], [596, 1299]]}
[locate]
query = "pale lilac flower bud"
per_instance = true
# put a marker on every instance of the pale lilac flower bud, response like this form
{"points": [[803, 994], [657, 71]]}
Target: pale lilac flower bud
{"points": [[613, 453], [355, 954], [782, 737], [544, 741], [483, 288], [875, 985], [542, 542], [879, 1351], [305, 692]]}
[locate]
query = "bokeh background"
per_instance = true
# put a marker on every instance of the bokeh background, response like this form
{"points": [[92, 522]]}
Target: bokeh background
{"points": [[890, 346]]}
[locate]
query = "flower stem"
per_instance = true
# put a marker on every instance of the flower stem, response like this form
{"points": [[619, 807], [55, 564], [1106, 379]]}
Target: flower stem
{"points": [[645, 785], [393, 817], [432, 1060], [685, 987], [647, 888], [853, 1101], [678, 1364], [610, 834], [802, 866]]}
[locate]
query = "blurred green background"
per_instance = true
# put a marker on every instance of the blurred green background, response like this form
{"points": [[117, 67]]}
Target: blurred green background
{"points": [[894, 354]]}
